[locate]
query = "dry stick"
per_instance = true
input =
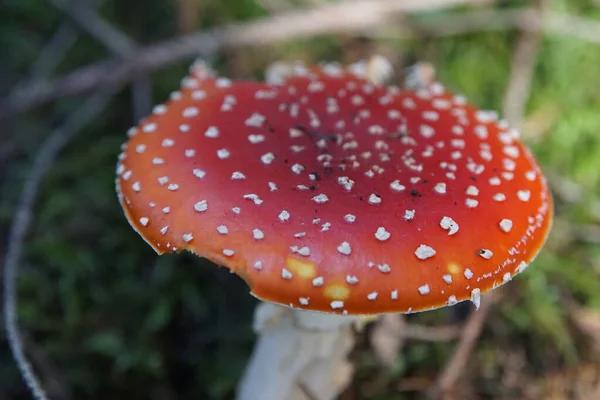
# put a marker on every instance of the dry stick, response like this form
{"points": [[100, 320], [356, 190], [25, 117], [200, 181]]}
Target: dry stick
{"points": [[524, 19], [56, 48], [351, 15], [275, 5], [431, 333], [53, 53], [115, 41], [87, 20], [387, 338], [20, 225], [469, 336], [391, 331], [521, 72], [188, 13], [55, 384]]}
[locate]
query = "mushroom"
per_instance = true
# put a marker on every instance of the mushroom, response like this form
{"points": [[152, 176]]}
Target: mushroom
{"points": [[333, 197]]}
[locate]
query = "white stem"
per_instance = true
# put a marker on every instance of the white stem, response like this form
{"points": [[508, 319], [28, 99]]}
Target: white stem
{"points": [[299, 355]]}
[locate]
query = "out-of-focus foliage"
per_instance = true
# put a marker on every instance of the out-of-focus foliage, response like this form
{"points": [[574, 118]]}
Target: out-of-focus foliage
{"points": [[113, 320]]}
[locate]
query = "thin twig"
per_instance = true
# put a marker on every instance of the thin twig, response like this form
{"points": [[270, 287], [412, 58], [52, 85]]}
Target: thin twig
{"points": [[56, 48], [522, 68], [518, 88], [306, 391], [188, 13], [564, 188], [20, 225], [114, 40], [352, 15], [490, 20], [387, 338], [275, 5], [53, 53], [101, 30], [431, 333], [524, 19], [392, 331], [55, 384], [469, 336], [141, 97]]}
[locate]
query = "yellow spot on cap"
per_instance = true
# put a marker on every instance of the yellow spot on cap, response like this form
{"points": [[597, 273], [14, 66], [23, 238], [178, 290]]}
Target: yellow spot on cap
{"points": [[453, 268], [337, 292], [301, 268]]}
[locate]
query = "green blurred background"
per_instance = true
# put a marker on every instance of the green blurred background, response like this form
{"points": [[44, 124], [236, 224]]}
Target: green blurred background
{"points": [[106, 318]]}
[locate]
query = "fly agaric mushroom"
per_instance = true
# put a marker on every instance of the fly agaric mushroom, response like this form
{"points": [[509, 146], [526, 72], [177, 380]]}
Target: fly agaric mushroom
{"points": [[327, 192]]}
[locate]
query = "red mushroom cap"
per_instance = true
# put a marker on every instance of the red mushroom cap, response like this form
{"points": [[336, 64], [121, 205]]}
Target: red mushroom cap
{"points": [[326, 192]]}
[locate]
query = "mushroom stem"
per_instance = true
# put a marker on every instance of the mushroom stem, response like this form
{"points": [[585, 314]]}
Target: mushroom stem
{"points": [[299, 355]]}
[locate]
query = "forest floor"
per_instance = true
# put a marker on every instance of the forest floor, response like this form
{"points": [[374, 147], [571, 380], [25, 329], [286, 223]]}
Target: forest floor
{"points": [[106, 318]]}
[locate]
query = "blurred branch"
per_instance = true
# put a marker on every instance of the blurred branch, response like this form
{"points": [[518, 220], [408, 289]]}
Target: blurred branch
{"points": [[20, 225], [522, 68], [54, 383], [468, 338], [431, 333], [518, 88], [275, 5], [564, 188], [524, 19], [115, 41], [53, 53], [188, 13], [386, 338], [391, 331], [87, 20], [58, 46], [352, 15], [586, 233]]}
